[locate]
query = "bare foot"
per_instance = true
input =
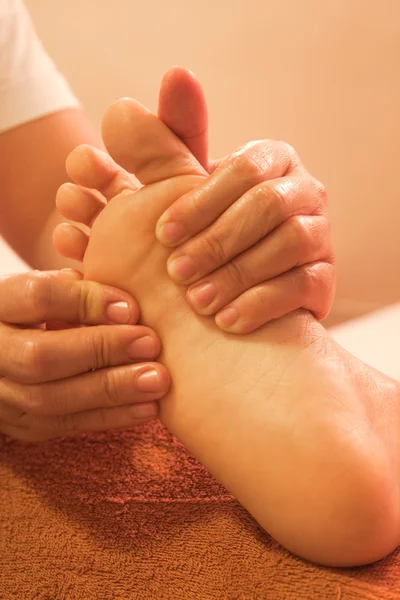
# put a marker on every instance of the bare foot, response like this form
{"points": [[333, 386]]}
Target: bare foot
{"points": [[97, 178], [287, 421]]}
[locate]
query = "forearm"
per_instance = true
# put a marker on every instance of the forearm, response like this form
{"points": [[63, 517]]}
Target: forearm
{"points": [[31, 174]]}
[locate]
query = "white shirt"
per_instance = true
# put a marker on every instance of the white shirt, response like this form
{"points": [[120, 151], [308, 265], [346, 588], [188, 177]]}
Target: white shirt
{"points": [[30, 84]]}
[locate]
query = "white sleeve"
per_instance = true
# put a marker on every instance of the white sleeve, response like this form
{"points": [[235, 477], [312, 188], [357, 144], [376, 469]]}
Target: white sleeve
{"points": [[30, 84]]}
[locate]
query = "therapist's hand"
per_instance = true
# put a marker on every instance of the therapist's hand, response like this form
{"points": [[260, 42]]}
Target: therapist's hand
{"points": [[64, 380], [253, 242]]}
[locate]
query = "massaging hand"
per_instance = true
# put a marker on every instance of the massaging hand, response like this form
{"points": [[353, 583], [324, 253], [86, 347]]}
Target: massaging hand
{"points": [[65, 381], [253, 241]]}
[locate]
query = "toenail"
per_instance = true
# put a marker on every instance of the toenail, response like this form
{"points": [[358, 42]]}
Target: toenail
{"points": [[202, 294], [171, 233], [118, 312], [181, 269]]}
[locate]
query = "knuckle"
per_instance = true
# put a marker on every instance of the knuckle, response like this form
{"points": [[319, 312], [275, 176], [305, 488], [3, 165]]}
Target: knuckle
{"points": [[38, 289], [86, 301], [308, 281], [302, 235], [318, 283], [33, 361], [215, 249], [247, 164], [179, 210], [98, 347], [259, 305], [290, 152], [321, 194], [254, 310], [273, 197], [237, 275], [32, 401], [111, 389], [322, 191], [284, 154], [325, 276], [267, 206], [321, 247]]}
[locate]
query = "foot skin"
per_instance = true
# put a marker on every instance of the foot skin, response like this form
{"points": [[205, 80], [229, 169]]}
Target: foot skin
{"points": [[182, 107], [286, 420]]}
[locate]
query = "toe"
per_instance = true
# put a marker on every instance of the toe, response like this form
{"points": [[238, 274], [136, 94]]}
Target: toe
{"points": [[92, 168], [144, 145], [79, 204], [70, 241], [182, 107]]}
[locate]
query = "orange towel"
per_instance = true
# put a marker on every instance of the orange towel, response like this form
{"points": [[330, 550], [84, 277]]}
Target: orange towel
{"points": [[121, 516]]}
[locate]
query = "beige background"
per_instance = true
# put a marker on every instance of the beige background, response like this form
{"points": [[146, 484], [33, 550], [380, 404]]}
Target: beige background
{"points": [[323, 75]]}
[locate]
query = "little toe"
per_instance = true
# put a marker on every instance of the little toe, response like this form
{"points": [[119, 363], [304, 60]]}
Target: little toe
{"points": [[70, 241], [78, 203], [144, 145], [93, 168]]}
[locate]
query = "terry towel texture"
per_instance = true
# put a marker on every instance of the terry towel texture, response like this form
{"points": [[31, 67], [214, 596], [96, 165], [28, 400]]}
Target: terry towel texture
{"points": [[131, 515]]}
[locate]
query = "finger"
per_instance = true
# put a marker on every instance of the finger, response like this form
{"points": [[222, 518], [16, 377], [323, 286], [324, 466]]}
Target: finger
{"points": [[142, 144], [183, 109], [298, 241], [78, 203], [117, 386], [310, 287], [57, 325], [105, 419], [36, 356], [256, 214], [70, 241], [69, 275], [92, 168], [37, 297], [254, 163], [36, 429]]}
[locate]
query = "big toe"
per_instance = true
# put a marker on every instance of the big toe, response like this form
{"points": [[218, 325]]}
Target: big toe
{"points": [[183, 108], [144, 145]]}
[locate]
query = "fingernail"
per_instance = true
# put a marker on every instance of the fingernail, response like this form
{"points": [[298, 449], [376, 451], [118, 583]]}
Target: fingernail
{"points": [[170, 233], [181, 269], [144, 347], [149, 381], [227, 317], [118, 312], [144, 410], [202, 295]]}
